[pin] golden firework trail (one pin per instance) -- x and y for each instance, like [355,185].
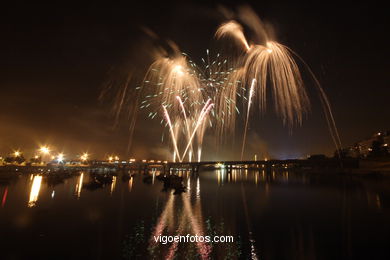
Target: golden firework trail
[251,92]
[195,97]
[190,133]
[269,61]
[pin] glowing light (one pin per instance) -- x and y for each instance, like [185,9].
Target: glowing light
[178,69]
[197,187]
[173,137]
[205,110]
[79,185]
[35,188]
[60,157]
[17,153]
[235,29]
[113,184]
[4,197]
[131,183]
[251,91]
[44,150]
[84,157]
[274,63]
[220,166]
[269,47]
[194,97]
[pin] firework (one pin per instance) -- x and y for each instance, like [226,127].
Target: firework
[251,92]
[191,129]
[195,97]
[271,61]
[234,29]
[182,87]
[265,61]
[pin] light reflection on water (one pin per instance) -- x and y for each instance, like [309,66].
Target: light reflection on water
[35,188]
[79,185]
[271,215]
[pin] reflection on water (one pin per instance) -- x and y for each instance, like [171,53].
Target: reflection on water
[35,188]
[4,197]
[131,183]
[79,185]
[188,221]
[113,184]
[276,214]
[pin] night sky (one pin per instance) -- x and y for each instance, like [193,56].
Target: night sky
[55,59]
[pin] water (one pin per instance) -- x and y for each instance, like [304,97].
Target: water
[280,215]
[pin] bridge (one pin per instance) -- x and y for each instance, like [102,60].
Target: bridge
[327,163]
[167,167]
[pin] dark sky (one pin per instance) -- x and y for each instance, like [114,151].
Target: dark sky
[55,58]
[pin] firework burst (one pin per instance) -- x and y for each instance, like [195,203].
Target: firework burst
[193,97]
[267,61]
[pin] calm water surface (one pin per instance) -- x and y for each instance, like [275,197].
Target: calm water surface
[279,215]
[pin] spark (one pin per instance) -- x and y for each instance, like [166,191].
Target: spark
[235,29]
[251,92]
[168,119]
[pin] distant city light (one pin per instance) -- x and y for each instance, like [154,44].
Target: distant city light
[84,157]
[220,165]
[60,157]
[17,153]
[44,150]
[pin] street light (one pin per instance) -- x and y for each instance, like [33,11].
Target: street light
[44,150]
[17,153]
[60,157]
[84,157]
